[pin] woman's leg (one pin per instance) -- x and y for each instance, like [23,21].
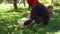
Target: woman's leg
[44,13]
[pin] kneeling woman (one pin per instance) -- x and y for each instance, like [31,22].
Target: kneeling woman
[39,13]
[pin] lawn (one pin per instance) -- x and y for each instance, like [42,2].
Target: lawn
[8,22]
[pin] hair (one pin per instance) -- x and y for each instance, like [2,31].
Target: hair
[50,7]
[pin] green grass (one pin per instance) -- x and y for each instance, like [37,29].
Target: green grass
[8,22]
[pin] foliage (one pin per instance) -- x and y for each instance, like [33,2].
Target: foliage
[8,22]
[57,2]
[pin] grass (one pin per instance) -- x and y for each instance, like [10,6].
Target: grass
[8,22]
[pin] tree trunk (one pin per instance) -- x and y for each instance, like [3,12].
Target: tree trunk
[51,2]
[15,4]
[4,1]
[24,2]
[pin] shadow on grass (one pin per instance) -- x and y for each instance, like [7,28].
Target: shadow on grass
[9,24]
[57,10]
[51,28]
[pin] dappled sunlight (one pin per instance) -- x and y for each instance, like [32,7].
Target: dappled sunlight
[57,32]
[2,6]
[9,21]
[5,8]
[52,32]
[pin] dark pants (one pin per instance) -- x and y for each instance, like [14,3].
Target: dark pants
[40,14]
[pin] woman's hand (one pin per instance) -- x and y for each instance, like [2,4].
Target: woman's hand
[20,24]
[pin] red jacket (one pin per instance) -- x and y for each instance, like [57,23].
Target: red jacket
[32,2]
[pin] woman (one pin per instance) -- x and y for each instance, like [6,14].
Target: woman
[39,13]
